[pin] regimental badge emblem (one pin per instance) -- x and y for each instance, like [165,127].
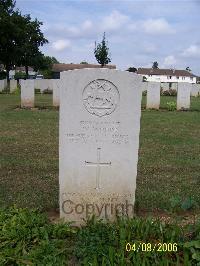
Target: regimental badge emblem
[100,97]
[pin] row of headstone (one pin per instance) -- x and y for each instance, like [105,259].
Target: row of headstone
[99,129]
[43,84]
[184,91]
[3,84]
[195,90]
[28,92]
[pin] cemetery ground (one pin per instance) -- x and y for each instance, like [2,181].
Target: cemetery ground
[167,184]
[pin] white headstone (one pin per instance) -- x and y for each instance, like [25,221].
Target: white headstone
[153,95]
[42,84]
[13,85]
[183,95]
[27,93]
[144,86]
[56,91]
[165,86]
[3,84]
[98,142]
[174,86]
[195,91]
[50,84]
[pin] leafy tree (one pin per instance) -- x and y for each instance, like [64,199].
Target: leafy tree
[83,62]
[188,69]
[155,65]
[20,38]
[44,65]
[101,52]
[20,75]
[32,38]
[8,34]
[132,69]
[42,62]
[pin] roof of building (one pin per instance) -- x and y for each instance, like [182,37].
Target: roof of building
[165,72]
[65,67]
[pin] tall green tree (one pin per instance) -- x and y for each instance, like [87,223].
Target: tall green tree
[155,65]
[42,62]
[44,65]
[32,39]
[20,37]
[8,34]
[101,52]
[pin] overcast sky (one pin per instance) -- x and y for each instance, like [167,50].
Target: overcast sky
[138,32]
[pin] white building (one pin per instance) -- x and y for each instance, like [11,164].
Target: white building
[12,73]
[167,75]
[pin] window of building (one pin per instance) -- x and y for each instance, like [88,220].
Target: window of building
[191,78]
[177,77]
[183,78]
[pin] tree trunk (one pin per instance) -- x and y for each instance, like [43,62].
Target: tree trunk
[26,68]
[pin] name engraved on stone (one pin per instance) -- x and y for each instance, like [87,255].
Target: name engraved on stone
[98,165]
[100,97]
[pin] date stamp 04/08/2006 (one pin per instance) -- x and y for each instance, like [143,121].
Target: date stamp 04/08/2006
[149,247]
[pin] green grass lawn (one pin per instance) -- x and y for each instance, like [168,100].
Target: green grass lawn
[169,161]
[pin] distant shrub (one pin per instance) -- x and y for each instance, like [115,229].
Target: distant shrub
[47,91]
[170,92]
[171,106]
[2,75]
[37,90]
[144,93]
[20,75]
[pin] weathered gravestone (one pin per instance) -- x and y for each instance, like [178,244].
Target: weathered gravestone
[153,95]
[27,93]
[56,91]
[195,91]
[183,95]
[13,85]
[98,143]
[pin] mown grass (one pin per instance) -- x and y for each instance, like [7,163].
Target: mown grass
[169,161]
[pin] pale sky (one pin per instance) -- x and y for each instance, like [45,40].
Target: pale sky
[138,32]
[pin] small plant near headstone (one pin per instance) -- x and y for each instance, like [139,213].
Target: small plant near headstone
[27,237]
[171,106]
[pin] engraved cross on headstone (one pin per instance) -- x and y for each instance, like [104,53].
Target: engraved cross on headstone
[98,165]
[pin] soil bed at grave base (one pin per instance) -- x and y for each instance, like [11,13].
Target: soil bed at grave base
[169,161]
